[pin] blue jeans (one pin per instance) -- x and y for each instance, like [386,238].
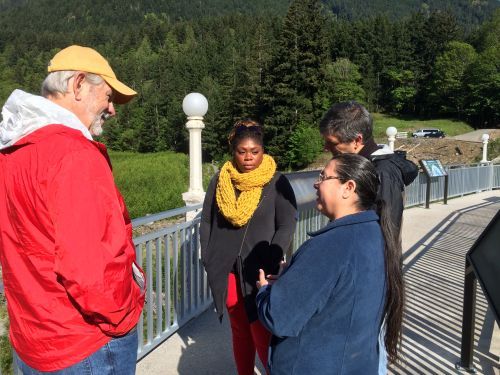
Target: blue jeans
[118,356]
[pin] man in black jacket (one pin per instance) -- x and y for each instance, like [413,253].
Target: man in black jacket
[348,128]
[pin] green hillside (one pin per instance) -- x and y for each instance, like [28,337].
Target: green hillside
[468,12]
[281,62]
[67,14]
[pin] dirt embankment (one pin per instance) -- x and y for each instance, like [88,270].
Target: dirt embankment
[447,150]
[464,149]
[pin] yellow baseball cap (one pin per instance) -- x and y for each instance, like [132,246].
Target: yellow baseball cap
[89,60]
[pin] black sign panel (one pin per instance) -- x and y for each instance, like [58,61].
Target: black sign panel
[484,256]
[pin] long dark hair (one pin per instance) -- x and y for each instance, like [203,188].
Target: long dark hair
[361,170]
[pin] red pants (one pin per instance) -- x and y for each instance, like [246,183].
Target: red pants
[247,337]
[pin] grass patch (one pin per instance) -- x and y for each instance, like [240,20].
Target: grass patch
[451,127]
[153,182]
[5,349]
[494,149]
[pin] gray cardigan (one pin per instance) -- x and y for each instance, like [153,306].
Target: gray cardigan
[268,236]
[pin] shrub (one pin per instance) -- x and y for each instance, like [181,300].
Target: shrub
[305,145]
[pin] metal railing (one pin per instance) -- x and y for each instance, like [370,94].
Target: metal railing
[402,135]
[463,180]
[177,284]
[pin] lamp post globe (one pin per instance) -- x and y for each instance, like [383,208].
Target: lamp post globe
[391,132]
[485,137]
[195,105]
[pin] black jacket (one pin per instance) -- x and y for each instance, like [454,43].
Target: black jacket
[393,178]
[268,236]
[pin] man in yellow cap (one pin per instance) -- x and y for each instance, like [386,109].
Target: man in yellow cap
[72,67]
[73,290]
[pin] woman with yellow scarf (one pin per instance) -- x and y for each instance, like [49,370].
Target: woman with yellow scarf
[247,224]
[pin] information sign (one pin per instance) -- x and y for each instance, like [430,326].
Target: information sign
[433,168]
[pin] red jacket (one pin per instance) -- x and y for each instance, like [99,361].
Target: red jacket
[66,248]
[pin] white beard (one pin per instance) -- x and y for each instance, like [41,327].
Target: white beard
[96,127]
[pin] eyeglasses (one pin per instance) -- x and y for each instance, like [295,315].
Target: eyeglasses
[322,177]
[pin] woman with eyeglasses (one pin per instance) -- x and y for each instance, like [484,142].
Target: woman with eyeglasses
[326,309]
[247,224]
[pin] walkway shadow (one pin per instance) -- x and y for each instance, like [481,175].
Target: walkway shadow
[207,347]
[434,275]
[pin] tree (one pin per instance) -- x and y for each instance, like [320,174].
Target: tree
[482,85]
[482,77]
[342,82]
[7,78]
[295,76]
[448,75]
[488,34]
[429,35]
[402,90]
[374,56]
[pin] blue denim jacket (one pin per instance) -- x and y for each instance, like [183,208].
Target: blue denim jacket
[326,308]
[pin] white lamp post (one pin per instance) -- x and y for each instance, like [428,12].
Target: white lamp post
[194,105]
[485,138]
[391,136]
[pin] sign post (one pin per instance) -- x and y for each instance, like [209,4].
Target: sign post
[433,168]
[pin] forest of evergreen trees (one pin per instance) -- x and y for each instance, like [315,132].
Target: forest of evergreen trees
[281,62]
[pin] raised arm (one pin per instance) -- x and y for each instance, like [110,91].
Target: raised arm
[303,289]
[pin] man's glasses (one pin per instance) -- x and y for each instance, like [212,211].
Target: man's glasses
[322,177]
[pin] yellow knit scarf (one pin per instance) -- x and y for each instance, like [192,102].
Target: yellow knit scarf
[239,211]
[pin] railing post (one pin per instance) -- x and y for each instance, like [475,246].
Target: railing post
[445,197]
[428,192]
[478,186]
[492,176]
[469,317]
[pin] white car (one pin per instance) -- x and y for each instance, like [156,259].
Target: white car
[428,133]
